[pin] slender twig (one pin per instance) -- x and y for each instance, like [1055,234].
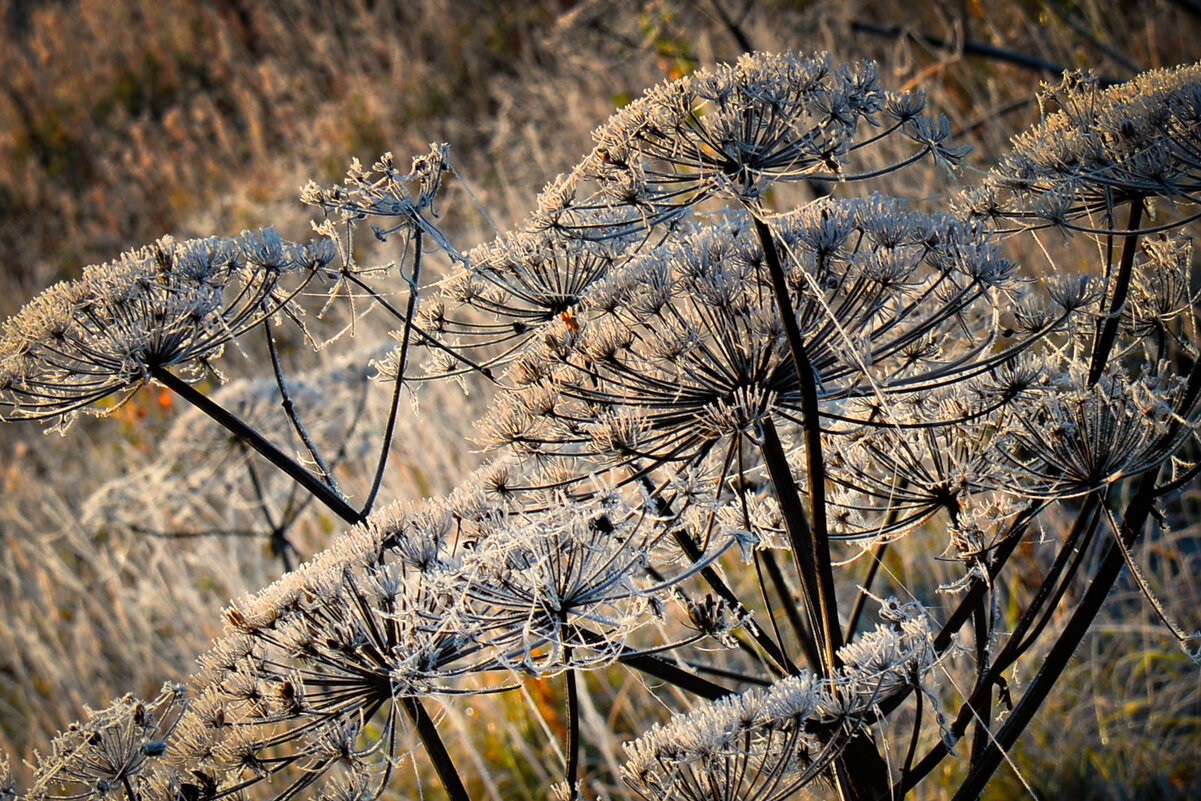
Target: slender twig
[733,26]
[972,48]
[803,634]
[427,339]
[1082,30]
[865,588]
[290,410]
[278,540]
[397,385]
[1107,325]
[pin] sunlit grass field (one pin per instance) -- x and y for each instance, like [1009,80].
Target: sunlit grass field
[121,122]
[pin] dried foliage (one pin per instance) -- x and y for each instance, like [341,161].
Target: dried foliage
[724,359]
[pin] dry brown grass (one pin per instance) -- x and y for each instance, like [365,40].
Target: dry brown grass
[120,121]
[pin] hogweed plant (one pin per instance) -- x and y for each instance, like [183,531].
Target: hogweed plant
[706,409]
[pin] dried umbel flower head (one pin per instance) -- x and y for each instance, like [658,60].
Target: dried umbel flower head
[106,754]
[172,304]
[318,669]
[683,348]
[734,130]
[1160,297]
[1103,148]
[890,479]
[8,787]
[1084,438]
[510,289]
[567,587]
[383,192]
[767,743]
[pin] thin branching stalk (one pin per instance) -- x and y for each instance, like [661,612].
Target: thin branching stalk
[278,540]
[427,339]
[1107,325]
[788,603]
[876,559]
[398,383]
[290,410]
[1065,645]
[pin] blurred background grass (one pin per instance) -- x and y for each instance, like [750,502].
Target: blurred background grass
[122,120]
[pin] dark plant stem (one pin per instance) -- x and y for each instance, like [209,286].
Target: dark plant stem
[718,584]
[290,410]
[980,702]
[1067,642]
[1000,555]
[919,701]
[435,748]
[573,726]
[736,30]
[672,674]
[1021,637]
[803,635]
[397,385]
[860,771]
[1052,588]
[318,488]
[666,670]
[819,545]
[427,339]
[1107,326]
[663,508]
[799,535]
[861,598]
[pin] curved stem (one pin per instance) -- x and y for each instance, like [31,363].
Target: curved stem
[1107,326]
[401,360]
[816,468]
[290,410]
[1057,659]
